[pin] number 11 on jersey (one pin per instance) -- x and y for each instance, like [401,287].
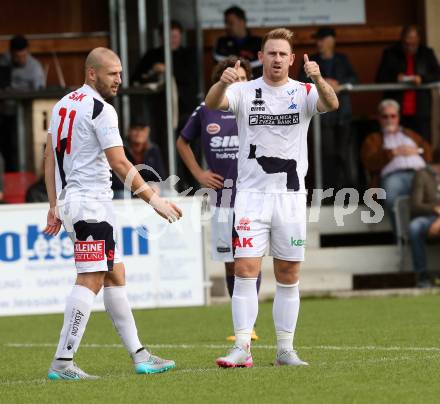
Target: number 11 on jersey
[64,145]
[62,113]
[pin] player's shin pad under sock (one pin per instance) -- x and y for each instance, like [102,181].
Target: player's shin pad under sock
[117,306]
[244,309]
[285,314]
[77,312]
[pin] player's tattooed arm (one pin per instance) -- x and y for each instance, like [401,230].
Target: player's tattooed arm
[328,100]
[216,98]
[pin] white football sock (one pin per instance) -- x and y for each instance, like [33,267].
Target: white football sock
[117,306]
[244,309]
[285,314]
[76,314]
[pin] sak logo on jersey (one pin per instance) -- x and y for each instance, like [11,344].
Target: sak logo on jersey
[274,120]
[77,97]
[213,128]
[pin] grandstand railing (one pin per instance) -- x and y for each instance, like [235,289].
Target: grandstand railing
[25,96]
[357,88]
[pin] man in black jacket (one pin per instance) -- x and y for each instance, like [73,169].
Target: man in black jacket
[151,68]
[238,40]
[338,163]
[410,62]
[152,65]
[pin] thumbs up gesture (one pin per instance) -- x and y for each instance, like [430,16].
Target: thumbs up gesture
[230,75]
[311,68]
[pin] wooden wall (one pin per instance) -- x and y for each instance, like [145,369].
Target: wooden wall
[363,44]
[53,17]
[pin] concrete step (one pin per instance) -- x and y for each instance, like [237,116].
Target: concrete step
[338,220]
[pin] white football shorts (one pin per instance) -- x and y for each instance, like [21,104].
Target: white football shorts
[275,220]
[91,226]
[222,221]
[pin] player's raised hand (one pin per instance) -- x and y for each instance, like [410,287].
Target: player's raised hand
[230,75]
[311,68]
[166,209]
[53,223]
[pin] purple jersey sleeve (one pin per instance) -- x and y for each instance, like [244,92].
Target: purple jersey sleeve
[193,127]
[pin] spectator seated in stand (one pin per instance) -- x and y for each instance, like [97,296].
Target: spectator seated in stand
[139,149]
[393,155]
[26,71]
[425,212]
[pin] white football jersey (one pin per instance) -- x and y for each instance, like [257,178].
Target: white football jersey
[272,128]
[83,125]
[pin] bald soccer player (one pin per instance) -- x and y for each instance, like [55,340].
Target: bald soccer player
[83,143]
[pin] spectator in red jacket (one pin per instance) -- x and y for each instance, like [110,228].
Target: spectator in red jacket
[408,61]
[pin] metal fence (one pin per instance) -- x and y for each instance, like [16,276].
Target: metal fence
[357,88]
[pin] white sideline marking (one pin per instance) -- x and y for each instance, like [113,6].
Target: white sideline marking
[254,346]
[216,369]
[133,375]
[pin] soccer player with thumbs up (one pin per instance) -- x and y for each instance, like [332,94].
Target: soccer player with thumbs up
[273,115]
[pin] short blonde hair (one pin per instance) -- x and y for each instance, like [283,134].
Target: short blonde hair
[279,33]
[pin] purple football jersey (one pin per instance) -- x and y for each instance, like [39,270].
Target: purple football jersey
[219,133]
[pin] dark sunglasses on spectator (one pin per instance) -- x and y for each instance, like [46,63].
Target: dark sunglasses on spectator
[385,116]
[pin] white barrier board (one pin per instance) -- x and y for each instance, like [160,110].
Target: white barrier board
[164,262]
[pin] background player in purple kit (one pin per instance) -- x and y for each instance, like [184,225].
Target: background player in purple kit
[219,133]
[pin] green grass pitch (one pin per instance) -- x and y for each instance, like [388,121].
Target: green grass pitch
[361,350]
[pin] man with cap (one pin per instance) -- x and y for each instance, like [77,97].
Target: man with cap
[336,69]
